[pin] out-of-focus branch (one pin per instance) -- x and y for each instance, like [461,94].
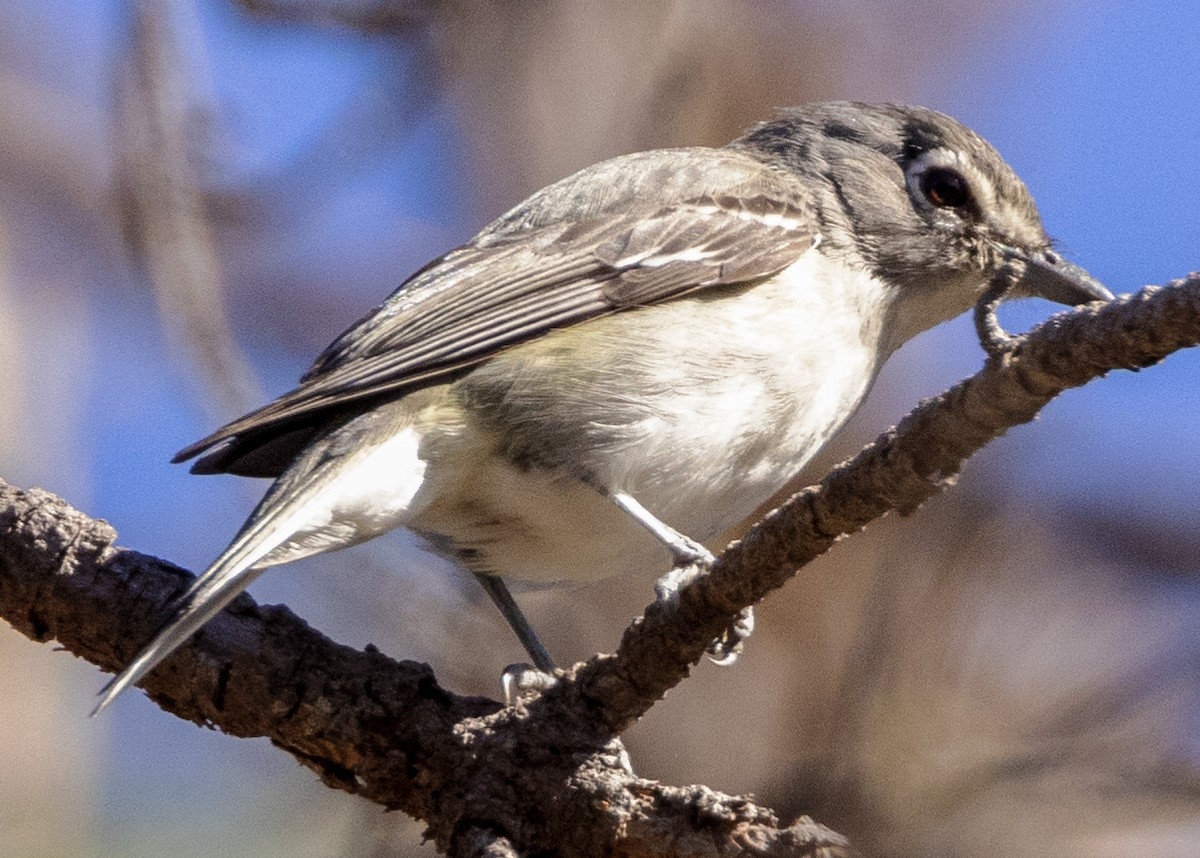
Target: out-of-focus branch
[369,16]
[547,774]
[10,350]
[162,124]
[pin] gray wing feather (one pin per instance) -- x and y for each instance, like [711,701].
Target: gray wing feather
[584,247]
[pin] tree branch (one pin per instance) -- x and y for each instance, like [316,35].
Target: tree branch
[368,16]
[164,129]
[547,773]
[528,775]
[899,471]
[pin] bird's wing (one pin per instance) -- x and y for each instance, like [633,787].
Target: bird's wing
[628,232]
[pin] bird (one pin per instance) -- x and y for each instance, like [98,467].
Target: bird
[630,361]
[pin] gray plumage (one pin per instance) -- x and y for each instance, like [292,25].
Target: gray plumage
[684,327]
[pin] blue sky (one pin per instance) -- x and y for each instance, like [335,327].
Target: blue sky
[1094,104]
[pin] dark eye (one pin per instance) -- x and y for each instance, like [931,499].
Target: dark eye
[945,188]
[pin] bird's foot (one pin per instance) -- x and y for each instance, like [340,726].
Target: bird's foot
[691,561]
[725,649]
[691,564]
[523,680]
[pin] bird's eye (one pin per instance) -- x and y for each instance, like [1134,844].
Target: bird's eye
[945,188]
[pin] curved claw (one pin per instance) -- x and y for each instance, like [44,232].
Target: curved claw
[524,680]
[725,650]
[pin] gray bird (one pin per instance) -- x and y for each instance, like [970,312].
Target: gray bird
[646,349]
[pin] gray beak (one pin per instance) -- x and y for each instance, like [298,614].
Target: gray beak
[1047,275]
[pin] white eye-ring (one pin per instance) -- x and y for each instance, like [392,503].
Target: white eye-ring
[941,180]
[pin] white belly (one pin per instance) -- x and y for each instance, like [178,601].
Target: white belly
[700,422]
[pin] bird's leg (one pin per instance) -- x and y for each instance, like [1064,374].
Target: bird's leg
[495,587]
[691,559]
[524,680]
[687,553]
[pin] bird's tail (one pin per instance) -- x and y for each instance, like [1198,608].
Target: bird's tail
[354,483]
[219,585]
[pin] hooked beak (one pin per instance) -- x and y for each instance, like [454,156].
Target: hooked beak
[1047,275]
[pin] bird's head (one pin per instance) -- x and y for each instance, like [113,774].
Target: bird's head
[923,200]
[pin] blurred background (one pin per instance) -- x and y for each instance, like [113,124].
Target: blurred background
[197,195]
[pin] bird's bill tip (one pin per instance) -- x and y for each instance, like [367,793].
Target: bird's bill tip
[1047,275]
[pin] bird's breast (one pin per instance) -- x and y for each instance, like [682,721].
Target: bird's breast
[701,408]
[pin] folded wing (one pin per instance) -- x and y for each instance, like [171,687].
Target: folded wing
[588,246]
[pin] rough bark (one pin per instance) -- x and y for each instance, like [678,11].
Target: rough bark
[548,773]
